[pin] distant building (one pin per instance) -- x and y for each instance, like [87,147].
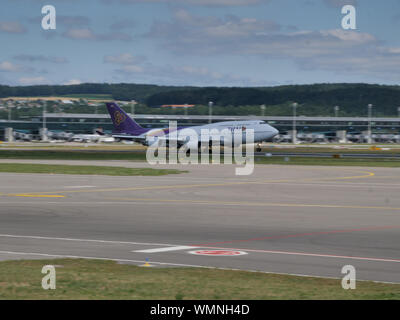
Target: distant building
[178,106]
[67,102]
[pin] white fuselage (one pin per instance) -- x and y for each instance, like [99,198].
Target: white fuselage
[228,129]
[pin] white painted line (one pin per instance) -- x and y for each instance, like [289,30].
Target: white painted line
[211,247]
[100,258]
[165,249]
[318,255]
[339,185]
[73,187]
[86,240]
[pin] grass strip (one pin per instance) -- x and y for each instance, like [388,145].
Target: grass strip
[374,162]
[98,279]
[83,170]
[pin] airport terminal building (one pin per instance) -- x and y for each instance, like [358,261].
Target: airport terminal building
[325,127]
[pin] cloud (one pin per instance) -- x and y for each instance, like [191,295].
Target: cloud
[337,50]
[72,82]
[131,69]
[81,34]
[76,21]
[201,72]
[381,62]
[341,3]
[73,21]
[128,63]
[167,74]
[12,27]
[88,34]
[308,44]
[41,58]
[191,33]
[7,66]
[209,3]
[123,59]
[32,80]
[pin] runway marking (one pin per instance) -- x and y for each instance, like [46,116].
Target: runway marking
[207,247]
[73,187]
[177,248]
[303,235]
[36,195]
[86,240]
[319,255]
[181,265]
[344,185]
[218,253]
[130,201]
[102,258]
[257,204]
[366,174]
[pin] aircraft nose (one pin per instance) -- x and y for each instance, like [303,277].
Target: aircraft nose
[274,132]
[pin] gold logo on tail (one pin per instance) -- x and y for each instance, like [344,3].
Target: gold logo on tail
[119,117]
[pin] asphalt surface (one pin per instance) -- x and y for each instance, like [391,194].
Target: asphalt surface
[285,219]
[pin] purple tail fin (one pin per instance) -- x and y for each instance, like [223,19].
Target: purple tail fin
[122,122]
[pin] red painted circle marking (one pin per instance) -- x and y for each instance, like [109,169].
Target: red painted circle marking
[218,252]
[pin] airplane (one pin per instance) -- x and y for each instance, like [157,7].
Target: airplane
[127,129]
[97,137]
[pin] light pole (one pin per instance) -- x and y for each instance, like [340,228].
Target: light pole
[210,110]
[133,103]
[263,107]
[398,111]
[337,108]
[9,112]
[44,129]
[44,116]
[294,131]
[369,140]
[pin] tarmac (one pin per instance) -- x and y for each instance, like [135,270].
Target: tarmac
[303,220]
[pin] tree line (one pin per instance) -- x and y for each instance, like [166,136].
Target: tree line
[313,100]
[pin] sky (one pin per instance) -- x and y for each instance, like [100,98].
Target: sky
[200,42]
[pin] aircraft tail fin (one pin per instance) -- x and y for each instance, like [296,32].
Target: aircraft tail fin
[122,122]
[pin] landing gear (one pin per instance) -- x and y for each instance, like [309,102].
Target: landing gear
[258,148]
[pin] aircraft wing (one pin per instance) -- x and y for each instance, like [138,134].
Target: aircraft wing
[140,139]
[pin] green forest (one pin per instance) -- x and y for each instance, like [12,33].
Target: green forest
[313,100]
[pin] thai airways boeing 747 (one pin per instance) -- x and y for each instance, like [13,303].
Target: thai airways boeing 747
[125,128]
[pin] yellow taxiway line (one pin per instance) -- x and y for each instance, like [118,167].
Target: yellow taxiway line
[257,204]
[36,195]
[365,174]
